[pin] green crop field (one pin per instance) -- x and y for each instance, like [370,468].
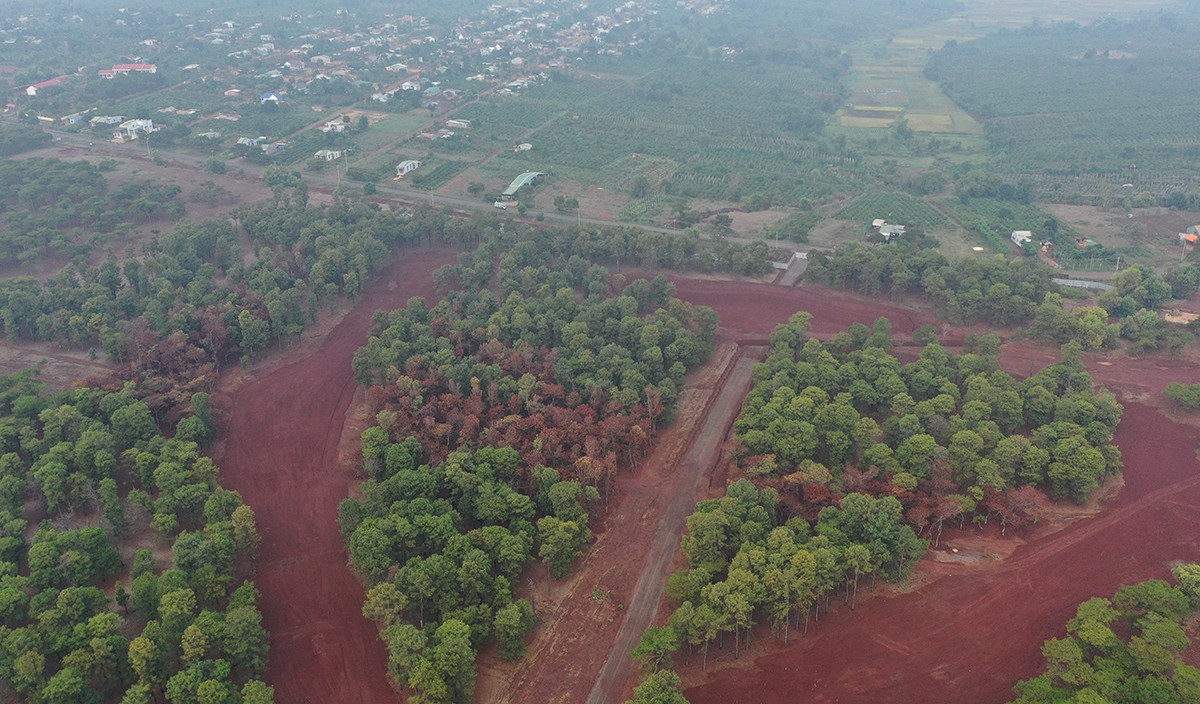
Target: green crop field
[897,208]
[388,130]
[1068,99]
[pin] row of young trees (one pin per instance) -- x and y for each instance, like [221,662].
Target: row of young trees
[503,413]
[1131,649]
[997,290]
[1005,292]
[78,622]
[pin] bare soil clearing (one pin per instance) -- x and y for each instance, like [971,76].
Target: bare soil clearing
[280,452]
[752,311]
[970,631]
[60,368]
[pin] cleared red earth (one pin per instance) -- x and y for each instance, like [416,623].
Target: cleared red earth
[281,454]
[753,310]
[972,632]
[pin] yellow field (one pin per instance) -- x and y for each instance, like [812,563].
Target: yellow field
[930,123]
[878,108]
[848,121]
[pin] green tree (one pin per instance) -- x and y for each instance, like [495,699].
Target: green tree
[561,543]
[653,653]
[659,687]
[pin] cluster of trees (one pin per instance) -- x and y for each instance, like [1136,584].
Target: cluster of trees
[188,303]
[97,469]
[1185,396]
[522,397]
[1137,294]
[191,300]
[1004,292]
[999,290]
[442,548]
[856,456]
[15,139]
[630,246]
[52,207]
[748,560]
[950,435]
[1126,650]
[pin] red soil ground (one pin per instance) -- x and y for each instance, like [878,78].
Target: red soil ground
[281,454]
[751,310]
[969,633]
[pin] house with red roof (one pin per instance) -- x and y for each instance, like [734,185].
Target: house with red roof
[33,89]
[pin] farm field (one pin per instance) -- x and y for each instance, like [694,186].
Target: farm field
[386,130]
[1075,100]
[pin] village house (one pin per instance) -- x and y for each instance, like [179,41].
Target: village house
[406,167]
[33,89]
[1190,236]
[132,129]
[329,154]
[335,127]
[1021,237]
[126,69]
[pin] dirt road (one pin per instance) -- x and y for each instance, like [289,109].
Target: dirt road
[574,653]
[702,456]
[281,454]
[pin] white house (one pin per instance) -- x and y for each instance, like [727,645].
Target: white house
[459,124]
[132,129]
[335,126]
[1020,237]
[407,167]
[397,68]
[329,154]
